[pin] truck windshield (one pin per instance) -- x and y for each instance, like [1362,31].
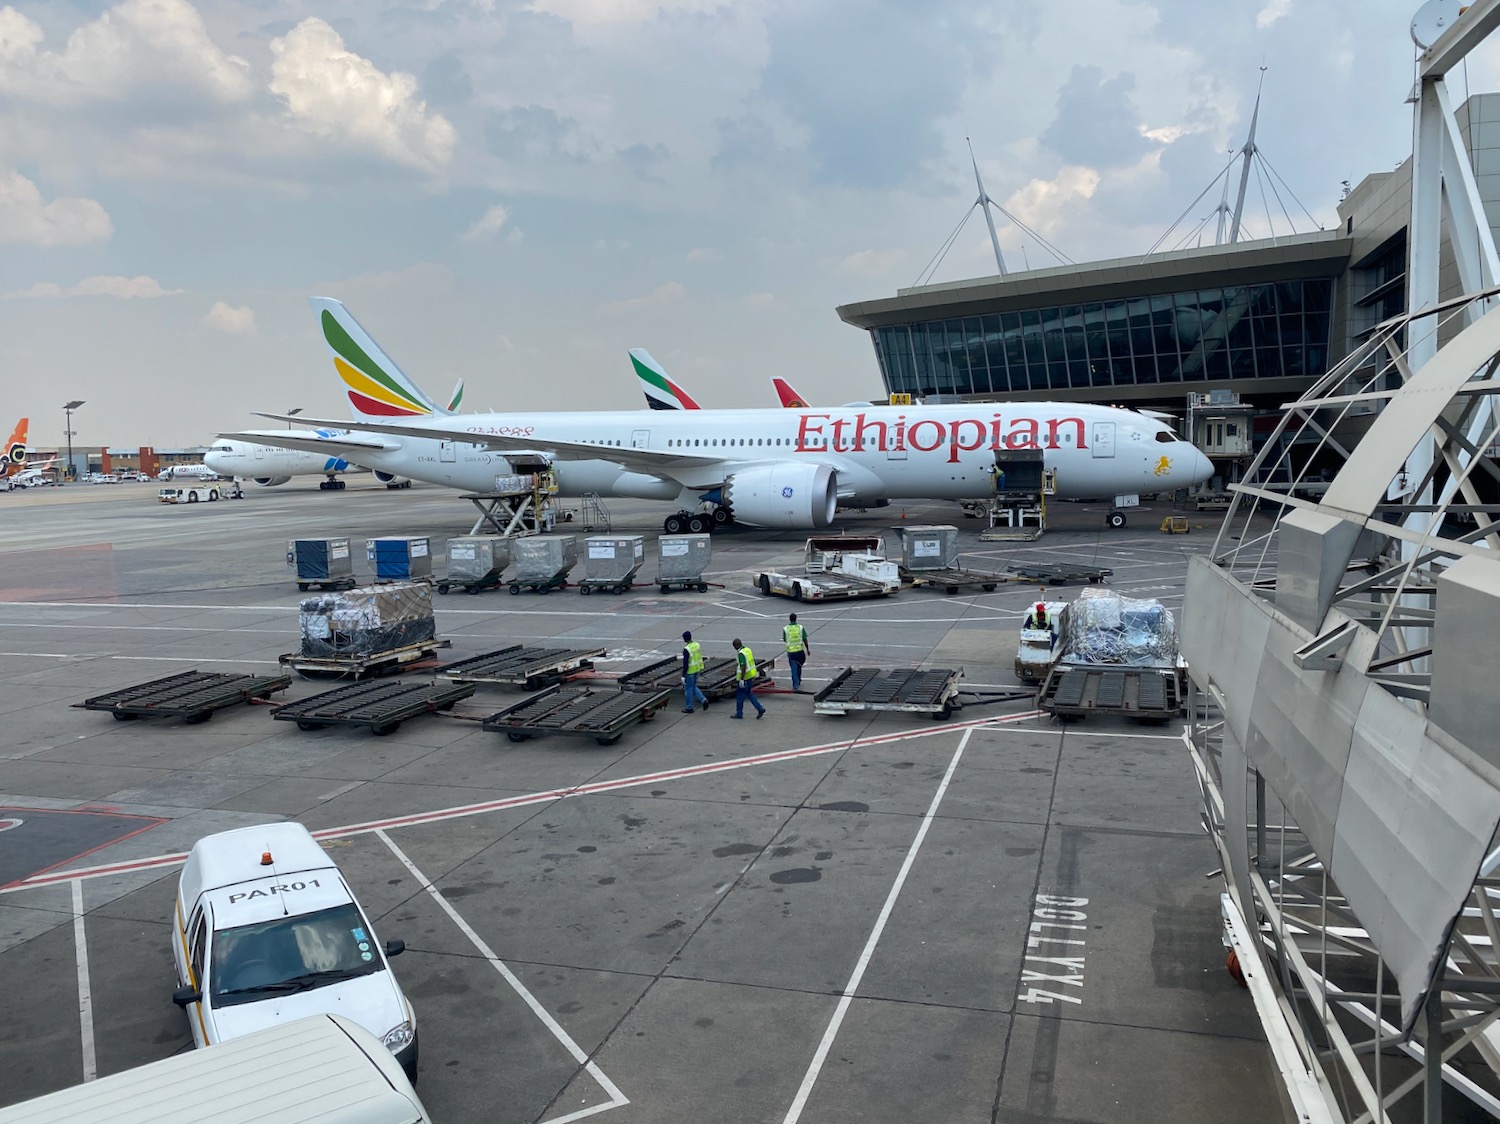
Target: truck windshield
[291,954]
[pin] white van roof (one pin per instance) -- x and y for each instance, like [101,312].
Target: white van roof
[231,857]
[318,1070]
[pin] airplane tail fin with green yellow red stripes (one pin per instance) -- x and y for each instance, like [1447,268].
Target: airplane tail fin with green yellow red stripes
[376,387]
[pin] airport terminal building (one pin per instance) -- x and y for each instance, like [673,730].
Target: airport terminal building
[1260,319]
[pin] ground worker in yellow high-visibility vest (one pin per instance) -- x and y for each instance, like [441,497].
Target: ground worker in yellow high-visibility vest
[744,681]
[794,637]
[692,664]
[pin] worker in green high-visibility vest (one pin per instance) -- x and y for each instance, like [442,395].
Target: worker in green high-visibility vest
[744,681]
[692,664]
[794,636]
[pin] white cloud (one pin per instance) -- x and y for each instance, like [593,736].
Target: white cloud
[65,221]
[134,45]
[589,13]
[1272,12]
[1044,205]
[702,254]
[665,293]
[226,318]
[122,288]
[334,93]
[488,225]
[869,263]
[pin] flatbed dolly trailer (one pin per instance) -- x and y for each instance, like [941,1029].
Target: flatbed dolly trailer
[362,665]
[378,707]
[932,691]
[521,666]
[192,696]
[716,680]
[839,567]
[1060,575]
[577,711]
[953,580]
[1147,694]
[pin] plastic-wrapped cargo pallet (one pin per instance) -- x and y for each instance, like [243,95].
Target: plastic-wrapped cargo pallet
[541,558]
[477,558]
[366,621]
[930,547]
[614,558]
[1105,628]
[681,559]
[398,559]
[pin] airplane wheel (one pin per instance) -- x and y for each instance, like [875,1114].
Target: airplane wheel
[1116,519]
[722,518]
[697,525]
[673,525]
[339,485]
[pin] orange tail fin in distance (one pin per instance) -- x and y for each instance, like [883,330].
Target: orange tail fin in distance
[790,399]
[13,455]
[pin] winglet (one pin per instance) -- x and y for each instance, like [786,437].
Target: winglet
[376,386]
[790,399]
[661,392]
[13,455]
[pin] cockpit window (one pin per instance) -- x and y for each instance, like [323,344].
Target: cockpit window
[1167,437]
[222,449]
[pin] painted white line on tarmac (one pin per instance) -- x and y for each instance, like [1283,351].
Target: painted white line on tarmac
[687,772]
[85,997]
[799,1102]
[343,788]
[617,1099]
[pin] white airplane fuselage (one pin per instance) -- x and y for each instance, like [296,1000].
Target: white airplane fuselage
[891,452]
[269,465]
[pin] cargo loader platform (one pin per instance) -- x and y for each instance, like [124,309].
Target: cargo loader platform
[579,711]
[521,666]
[953,580]
[716,680]
[1149,694]
[931,691]
[359,666]
[379,707]
[192,696]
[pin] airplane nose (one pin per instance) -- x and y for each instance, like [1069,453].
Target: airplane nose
[1201,467]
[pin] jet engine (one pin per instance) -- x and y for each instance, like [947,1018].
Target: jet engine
[392,481]
[783,494]
[270,481]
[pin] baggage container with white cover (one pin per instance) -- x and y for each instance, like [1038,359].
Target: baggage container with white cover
[929,547]
[681,560]
[543,562]
[612,562]
[323,1069]
[475,562]
[399,558]
[366,621]
[325,563]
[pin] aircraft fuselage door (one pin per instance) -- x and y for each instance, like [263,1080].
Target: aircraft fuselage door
[447,451]
[1103,438]
[640,439]
[260,452]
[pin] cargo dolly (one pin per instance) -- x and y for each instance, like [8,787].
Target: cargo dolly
[379,707]
[1148,694]
[952,580]
[667,585]
[362,664]
[476,585]
[931,691]
[580,711]
[587,586]
[192,696]
[716,680]
[539,585]
[1059,575]
[521,666]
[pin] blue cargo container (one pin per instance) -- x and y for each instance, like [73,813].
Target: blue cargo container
[398,559]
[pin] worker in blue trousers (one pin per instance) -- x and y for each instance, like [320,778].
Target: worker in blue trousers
[794,637]
[744,681]
[692,664]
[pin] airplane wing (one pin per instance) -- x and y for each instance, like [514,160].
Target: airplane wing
[654,462]
[347,445]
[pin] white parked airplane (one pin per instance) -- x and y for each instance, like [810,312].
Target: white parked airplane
[187,471]
[771,468]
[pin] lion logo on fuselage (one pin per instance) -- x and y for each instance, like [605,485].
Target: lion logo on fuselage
[1164,466]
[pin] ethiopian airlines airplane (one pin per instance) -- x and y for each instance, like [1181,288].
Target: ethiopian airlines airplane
[770,468]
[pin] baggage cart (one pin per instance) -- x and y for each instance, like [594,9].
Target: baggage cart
[1059,575]
[932,691]
[681,561]
[522,666]
[324,563]
[543,562]
[612,562]
[716,680]
[378,707]
[192,696]
[399,559]
[475,562]
[579,711]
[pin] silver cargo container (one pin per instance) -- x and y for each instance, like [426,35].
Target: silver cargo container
[477,558]
[683,557]
[614,558]
[930,547]
[541,558]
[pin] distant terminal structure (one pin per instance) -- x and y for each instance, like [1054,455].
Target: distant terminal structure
[1250,323]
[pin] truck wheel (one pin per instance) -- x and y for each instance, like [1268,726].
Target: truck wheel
[765,585]
[796,591]
[583,589]
[702,587]
[192,497]
[213,495]
[514,589]
[301,587]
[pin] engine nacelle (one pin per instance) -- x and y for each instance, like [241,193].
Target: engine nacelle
[270,481]
[391,480]
[783,494]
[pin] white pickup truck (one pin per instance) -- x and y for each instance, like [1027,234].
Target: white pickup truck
[838,567]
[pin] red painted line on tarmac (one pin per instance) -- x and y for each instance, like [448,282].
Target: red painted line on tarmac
[463,810]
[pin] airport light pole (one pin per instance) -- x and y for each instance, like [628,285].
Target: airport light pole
[68,408]
[293,412]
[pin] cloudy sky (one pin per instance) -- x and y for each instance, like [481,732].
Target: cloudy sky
[517,192]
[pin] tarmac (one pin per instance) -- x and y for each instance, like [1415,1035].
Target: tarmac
[876,918]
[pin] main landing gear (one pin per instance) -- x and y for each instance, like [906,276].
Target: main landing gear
[697,522]
[330,485]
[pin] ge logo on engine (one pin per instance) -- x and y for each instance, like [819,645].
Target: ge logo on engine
[786,493]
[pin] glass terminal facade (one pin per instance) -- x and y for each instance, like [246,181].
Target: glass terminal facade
[1272,330]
